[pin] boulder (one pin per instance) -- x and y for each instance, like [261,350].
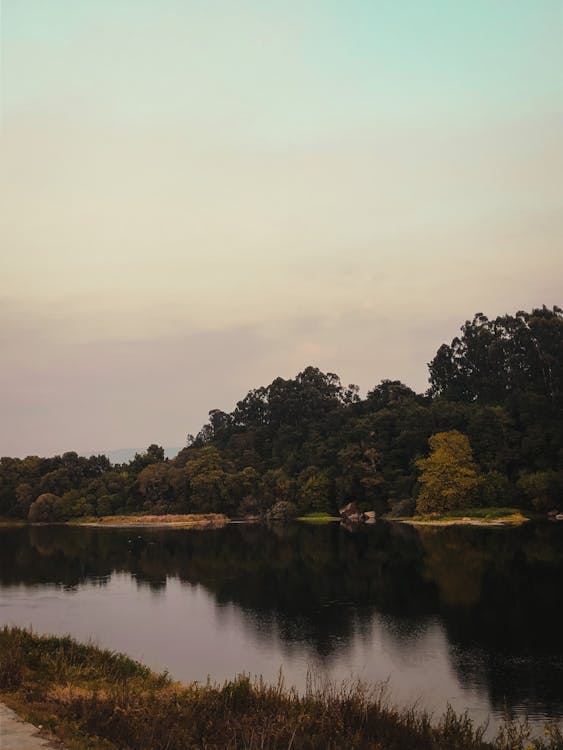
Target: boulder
[349,511]
[351,514]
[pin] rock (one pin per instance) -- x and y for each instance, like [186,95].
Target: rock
[351,514]
[349,510]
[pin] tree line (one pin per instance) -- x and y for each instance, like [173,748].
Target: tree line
[489,431]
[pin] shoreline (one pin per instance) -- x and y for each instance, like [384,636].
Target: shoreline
[92,697]
[219,520]
[513,520]
[178,521]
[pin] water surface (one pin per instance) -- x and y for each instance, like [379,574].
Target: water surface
[461,615]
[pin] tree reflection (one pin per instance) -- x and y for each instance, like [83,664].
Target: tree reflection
[494,590]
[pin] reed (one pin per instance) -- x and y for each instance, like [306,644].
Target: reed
[94,699]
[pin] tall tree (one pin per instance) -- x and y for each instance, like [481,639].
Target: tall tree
[449,476]
[495,358]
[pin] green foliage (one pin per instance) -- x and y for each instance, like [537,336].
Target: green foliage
[154,454]
[496,490]
[275,486]
[449,477]
[207,479]
[318,517]
[282,511]
[314,490]
[45,509]
[494,358]
[542,489]
[163,486]
[312,441]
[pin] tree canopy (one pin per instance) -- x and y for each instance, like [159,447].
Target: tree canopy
[449,476]
[493,359]
[314,444]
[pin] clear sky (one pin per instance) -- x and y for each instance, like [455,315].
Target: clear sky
[200,196]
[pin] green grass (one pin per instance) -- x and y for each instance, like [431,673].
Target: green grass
[318,518]
[98,700]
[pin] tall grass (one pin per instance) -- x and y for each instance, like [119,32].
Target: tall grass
[100,700]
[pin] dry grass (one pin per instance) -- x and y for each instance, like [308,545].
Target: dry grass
[98,700]
[204,520]
[11,522]
[470,517]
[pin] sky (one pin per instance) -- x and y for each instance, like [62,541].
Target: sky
[198,197]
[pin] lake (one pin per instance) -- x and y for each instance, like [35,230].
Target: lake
[469,616]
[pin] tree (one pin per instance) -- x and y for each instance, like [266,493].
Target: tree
[25,497]
[541,488]
[494,358]
[45,508]
[163,486]
[450,478]
[154,454]
[207,480]
[314,492]
[389,392]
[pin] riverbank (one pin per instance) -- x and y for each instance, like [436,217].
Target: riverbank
[470,517]
[180,521]
[183,521]
[318,518]
[95,699]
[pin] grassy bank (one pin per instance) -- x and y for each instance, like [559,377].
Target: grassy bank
[96,700]
[471,516]
[318,518]
[189,521]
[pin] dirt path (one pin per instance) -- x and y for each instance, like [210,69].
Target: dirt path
[16,734]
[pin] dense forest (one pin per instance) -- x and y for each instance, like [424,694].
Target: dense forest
[489,431]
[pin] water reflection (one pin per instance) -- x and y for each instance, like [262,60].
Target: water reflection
[465,615]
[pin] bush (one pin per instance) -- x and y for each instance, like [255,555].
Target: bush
[540,488]
[496,489]
[282,511]
[45,509]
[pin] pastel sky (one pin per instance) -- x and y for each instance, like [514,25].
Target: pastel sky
[198,196]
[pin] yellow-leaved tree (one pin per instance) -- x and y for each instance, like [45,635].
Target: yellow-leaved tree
[449,476]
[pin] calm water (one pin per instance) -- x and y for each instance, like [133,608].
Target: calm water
[463,615]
